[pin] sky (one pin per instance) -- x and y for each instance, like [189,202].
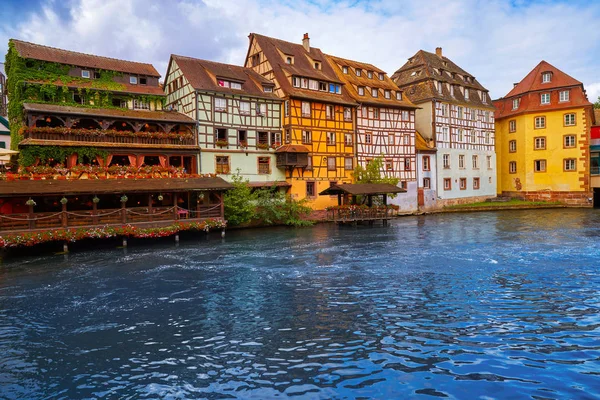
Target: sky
[497,41]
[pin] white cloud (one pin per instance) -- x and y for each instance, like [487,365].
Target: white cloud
[497,41]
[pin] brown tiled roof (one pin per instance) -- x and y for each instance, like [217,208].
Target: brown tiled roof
[52,54]
[87,186]
[145,115]
[292,148]
[421,144]
[529,91]
[269,184]
[417,77]
[352,82]
[362,189]
[203,75]
[302,66]
[92,84]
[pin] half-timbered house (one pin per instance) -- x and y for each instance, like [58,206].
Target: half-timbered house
[318,116]
[385,124]
[238,117]
[457,114]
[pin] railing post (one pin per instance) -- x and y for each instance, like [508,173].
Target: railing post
[123,213]
[175,210]
[64,216]
[222,205]
[30,218]
[150,210]
[94,213]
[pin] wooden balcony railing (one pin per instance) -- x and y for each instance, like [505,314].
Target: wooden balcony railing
[185,140]
[361,214]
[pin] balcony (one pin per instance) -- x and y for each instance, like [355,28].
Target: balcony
[292,156]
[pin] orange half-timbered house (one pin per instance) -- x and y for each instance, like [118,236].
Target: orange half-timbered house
[318,116]
[385,124]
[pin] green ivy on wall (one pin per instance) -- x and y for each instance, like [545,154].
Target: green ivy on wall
[30,154]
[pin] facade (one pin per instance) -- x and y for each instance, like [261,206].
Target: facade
[595,158]
[543,127]
[457,114]
[238,117]
[318,116]
[385,125]
[97,125]
[426,173]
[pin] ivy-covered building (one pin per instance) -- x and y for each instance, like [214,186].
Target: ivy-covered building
[3,98]
[99,124]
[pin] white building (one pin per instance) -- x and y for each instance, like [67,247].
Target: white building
[457,115]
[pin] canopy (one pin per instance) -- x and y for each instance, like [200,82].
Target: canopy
[364,189]
[6,152]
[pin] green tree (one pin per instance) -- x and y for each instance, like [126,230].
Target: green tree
[239,202]
[275,207]
[597,103]
[373,173]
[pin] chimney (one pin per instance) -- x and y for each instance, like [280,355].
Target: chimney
[438,52]
[306,42]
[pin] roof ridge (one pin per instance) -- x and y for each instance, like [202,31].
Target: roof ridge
[78,52]
[285,41]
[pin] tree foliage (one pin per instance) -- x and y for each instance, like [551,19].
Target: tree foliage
[30,154]
[597,103]
[373,173]
[239,201]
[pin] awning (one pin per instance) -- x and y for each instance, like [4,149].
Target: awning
[362,189]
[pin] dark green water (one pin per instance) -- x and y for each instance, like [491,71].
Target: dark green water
[470,306]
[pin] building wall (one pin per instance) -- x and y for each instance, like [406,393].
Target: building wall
[555,178]
[430,196]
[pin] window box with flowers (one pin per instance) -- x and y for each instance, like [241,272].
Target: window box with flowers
[263,146]
[222,143]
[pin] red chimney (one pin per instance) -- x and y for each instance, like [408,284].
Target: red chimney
[306,42]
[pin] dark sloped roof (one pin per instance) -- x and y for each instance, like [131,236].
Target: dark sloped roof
[416,77]
[83,186]
[362,189]
[269,184]
[93,84]
[421,144]
[146,115]
[203,75]
[52,54]
[274,51]
[292,148]
[353,81]
[533,80]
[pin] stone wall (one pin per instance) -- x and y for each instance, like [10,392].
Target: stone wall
[579,199]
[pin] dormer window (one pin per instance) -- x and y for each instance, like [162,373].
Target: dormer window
[358,72]
[317,65]
[381,76]
[374,92]
[345,69]
[516,103]
[268,89]
[545,98]
[361,90]
[398,95]
[236,85]
[370,74]
[387,94]
[133,80]
[289,60]
[439,87]
[452,90]
[546,77]
[143,81]
[85,74]
[466,94]
[484,97]
[563,95]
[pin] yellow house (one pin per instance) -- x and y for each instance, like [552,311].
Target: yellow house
[542,138]
[318,116]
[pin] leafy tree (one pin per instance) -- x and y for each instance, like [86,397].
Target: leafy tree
[597,103]
[239,202]
[274,206]
[373,173]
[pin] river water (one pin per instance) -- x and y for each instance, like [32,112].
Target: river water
[468,306]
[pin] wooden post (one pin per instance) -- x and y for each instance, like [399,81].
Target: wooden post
[64,216]
[175,213]
[123,213]
[31,220]
[222,205]
[339,199]
[65,247]
[94,213]
[150,210]
[177,238]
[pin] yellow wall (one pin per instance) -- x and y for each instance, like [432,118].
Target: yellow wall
[319,125]
[555,178]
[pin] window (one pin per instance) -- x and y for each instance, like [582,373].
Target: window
[255,59]
[387,94]
[275,139]
[405,115]
[486,116]
[330,138]
[452,90]
[309,163]
[484,97]
[310,189]
[546,77]
[263,139]
[447,184]
[220,104]
[512,146]
[289,60]
[370,74]
[374,92]
[512,125]
[304,83]
[391,139]
[569,141]
[264,166]
[446,160]
[317,65]
[221,134]
[348,139]
[345,69]
[361,90]
[461,161]
[474,136]
[367,138]
[570,119]
[222,165]
[140,105]
[488,138]
[512,167]
[426,163]
[539,165]
[347,114]
[375,113]
[539,143]
[223,83]
[444,110]
[463,183]
[313,85]
[516,103]
[389,165]
[475,162]
[398,95]
[489,162]
[540,122]
[306,137]
[563,95]
[358,72]
[330,163]
[305,109]
[329,112]
[286,108]
[545,98]
[439,87]
[473,114]
[407,164]
[261,109]
[323,86]
[236,85]
[133,80]
[406,139]
[475,183]
[460,112]
[242,138]
[288,135]
[570,164]
[85,74]
[348,163]
[295,81]
[466,94]
[426,183]
[244,107]
[143,81]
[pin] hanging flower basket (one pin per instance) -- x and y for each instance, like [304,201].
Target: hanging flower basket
[31,203]
[96,200]
[64,200]
[160,197]
[124,199]
[222,143]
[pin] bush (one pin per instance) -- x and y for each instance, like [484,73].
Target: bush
[239,201]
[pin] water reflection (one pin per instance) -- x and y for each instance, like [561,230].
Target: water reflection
[502,305]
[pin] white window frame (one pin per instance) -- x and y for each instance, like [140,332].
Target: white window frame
[563,96]
[133,80]
[85,72]
[540,122]
[306,109]
[220,104]
[330,138]
[446,160]
[569,141]
[245,107]
[546,77]
[374,92]
[569,121]
[512,167]
[570,164]
[516,104]
[461,161]
[545,98]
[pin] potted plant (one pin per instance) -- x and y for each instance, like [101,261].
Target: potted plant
[222,143]
[263,146]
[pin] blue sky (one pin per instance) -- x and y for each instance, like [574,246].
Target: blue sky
[498,41]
